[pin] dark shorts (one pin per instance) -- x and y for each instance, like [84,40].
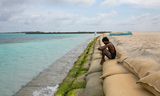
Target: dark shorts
[113,55]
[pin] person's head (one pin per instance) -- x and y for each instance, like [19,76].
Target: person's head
[105,40]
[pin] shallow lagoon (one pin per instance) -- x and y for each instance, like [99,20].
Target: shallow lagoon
[27,55]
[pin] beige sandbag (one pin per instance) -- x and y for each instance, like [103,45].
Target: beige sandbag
[111,67]
[121,53]
[151,83]
[141,66]
[97,56]
[95,66]
[97,42]
[97,45]
[123,85]
[94,85]
[130,68]
[97,52]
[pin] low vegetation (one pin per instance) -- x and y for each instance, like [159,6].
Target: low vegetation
[74,82]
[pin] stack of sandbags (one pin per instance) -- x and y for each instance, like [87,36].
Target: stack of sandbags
[141,66]
[96,59]
[123,85]
[111,67]
[95,66]
[148,72]
[121,54]
[94,85]
[151,83]
[93,82]
[119,81]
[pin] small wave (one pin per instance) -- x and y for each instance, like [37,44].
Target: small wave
[47,91]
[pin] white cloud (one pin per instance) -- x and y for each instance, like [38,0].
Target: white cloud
[145,22]
[86,2]
[64,21]
[140,3]
[72,2]
[8,8]
[48,15]
[58,21]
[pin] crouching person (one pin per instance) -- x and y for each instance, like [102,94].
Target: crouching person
[107,50]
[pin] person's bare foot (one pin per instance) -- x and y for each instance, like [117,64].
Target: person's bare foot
[102,61]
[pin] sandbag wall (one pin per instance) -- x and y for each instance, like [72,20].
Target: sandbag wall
[94,83]
[146,69]
[118,80]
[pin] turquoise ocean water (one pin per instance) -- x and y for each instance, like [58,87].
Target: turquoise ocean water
[23,56]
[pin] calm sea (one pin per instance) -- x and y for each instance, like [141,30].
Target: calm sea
[23,56]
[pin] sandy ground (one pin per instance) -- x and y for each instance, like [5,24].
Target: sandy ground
[142,44]
[142,50]
[52,76]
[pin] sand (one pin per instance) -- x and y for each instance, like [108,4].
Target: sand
[139,54]
[141,44]
[47,81]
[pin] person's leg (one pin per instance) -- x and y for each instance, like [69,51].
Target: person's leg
[103,58]
[105,53]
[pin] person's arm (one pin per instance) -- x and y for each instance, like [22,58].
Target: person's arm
[103,47]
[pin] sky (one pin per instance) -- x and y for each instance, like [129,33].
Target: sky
[79,15]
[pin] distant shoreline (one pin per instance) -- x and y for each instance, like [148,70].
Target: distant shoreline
[38,32]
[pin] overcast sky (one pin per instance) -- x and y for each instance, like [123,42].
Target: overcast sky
[79,15]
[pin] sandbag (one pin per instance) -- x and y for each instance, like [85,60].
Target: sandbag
[97,42]
[95,66]
[94,85]
[97,56]
[123,85]
[151,83]
[121,53]
[142,66]
[130,68]
[111,67]
[97,51]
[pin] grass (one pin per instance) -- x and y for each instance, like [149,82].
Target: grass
[75,78]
